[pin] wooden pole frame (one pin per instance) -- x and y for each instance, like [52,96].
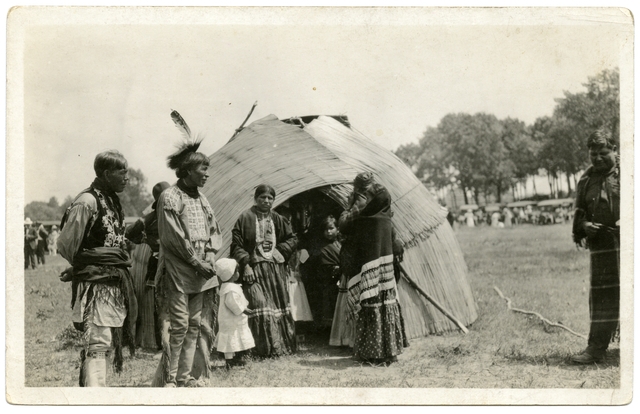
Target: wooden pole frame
[435,303]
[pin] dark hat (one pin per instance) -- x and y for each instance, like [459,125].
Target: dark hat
[159,188]
[363,180]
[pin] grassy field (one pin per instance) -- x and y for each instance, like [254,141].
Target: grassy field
[538,267]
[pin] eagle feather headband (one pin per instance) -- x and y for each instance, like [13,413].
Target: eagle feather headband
[190,145]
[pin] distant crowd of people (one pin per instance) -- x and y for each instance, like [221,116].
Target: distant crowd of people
[37,242]
[507,217]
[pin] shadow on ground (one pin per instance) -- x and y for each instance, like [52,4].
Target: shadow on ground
[315,342]
[612,360]
[335,363]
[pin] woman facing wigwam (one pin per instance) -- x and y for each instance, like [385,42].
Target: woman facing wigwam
[367,261]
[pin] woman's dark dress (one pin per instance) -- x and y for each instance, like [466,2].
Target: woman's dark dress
[270,318]
[367,262]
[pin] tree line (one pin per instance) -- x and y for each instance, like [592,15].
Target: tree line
[486,156]
[134,199]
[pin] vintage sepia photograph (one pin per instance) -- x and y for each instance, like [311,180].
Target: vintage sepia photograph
[319,205]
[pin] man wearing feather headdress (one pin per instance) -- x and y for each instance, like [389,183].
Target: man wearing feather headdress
[596,225]
[189,238]
[93,242]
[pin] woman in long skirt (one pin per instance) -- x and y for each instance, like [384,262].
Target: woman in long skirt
[262,244]
[367,261]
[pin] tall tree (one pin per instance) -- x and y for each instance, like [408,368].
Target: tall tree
[39,211]
[542,133]
[427,161]
[597,107]
[433,166]
[523,150]
[469,151]
[562,147]
[459,152]
[53,203]
[135,197]
[494,168]
[482,155]
[410,154]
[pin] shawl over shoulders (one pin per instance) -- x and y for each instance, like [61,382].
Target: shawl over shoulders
[243,241]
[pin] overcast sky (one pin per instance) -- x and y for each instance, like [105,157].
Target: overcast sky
[94,87]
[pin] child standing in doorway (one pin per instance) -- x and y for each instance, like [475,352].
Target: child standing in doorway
[329,270]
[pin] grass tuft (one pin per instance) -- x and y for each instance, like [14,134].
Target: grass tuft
[69,338]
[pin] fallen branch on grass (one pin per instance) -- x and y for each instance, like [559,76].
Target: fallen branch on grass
[542,318]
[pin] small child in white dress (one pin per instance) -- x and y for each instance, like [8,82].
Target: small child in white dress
[234,334]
